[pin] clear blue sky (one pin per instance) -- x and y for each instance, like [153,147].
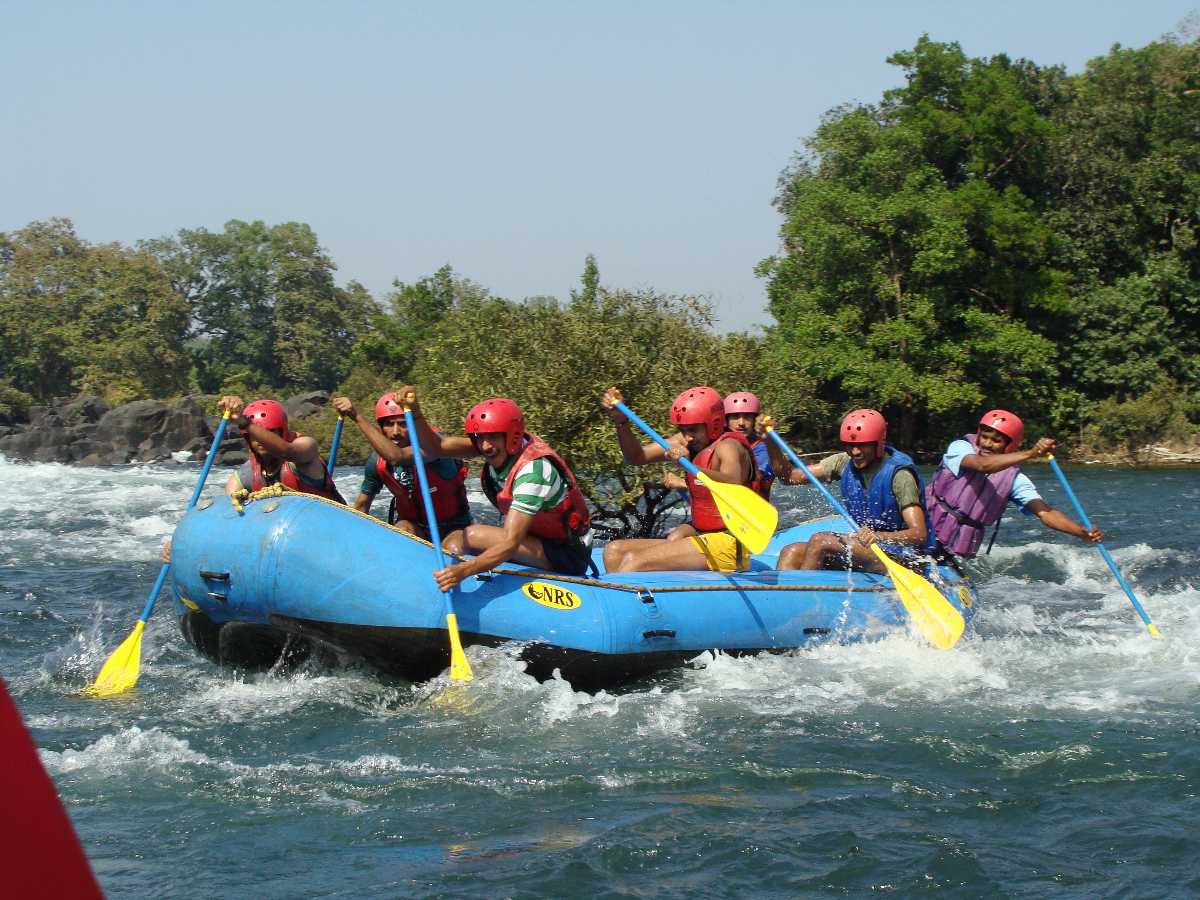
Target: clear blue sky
[509,138]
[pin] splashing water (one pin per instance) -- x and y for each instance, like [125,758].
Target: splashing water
[1053,752]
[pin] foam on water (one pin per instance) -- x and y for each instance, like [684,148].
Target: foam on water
[889,748]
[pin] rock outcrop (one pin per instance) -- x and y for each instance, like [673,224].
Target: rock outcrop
[85,431]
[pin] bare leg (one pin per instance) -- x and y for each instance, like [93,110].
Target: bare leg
[453,542]
[792,556]
[477,538]
[663,556]
[825,550]
[406,526]
[681,531]
[614,551]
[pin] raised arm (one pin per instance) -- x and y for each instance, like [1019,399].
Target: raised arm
[785,472]
[303,451]
[633,450]
[434,445]
[376,438]
[999,461]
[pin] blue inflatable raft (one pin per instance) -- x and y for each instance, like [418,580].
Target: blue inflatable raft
[294,574]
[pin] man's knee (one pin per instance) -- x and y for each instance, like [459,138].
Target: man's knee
[791,556]
[628,562]
[453,542]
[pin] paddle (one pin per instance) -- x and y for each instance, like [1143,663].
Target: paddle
[935,617]
[749,517]
[1150,626]
[120,672]
[333,445]
[460,668]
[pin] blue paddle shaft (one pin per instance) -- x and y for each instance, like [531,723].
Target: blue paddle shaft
[208,461]
[204,470]
[812,479]
[333,445]
[1112,564]
[427,498]
[654,435]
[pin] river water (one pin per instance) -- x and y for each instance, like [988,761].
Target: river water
[1054,752]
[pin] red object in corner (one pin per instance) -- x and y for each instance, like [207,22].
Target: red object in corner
[40,856]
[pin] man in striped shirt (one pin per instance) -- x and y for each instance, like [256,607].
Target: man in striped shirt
[544,513]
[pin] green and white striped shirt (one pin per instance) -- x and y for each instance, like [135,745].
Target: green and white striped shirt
[538,486]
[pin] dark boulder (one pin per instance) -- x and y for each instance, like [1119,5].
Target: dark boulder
[303,405]
[83,409]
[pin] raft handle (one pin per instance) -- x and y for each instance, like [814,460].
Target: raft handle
[817,630]
[219,597]
[215,576]
[661,633]
[647,596]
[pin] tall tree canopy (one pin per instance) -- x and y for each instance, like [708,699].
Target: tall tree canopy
[264,305]
[81,317]
[994,233]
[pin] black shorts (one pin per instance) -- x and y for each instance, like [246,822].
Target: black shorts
[569,557]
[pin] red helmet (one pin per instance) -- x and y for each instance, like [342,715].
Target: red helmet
[1007,424]
[270,415]
[865,426]
[700,406]
[388,406]
[497,415]
[741,402]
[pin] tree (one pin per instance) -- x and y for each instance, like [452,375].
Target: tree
[556,360]
[79,317]
[264,305]
[397,333]
[912,257]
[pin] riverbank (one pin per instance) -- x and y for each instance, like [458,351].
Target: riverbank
[85,431]
[1168,454]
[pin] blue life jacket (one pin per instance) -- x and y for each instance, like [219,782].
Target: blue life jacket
[876,506]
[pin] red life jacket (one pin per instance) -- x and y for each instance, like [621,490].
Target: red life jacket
[289,479]
[449,494]
[569,519]
[705,515]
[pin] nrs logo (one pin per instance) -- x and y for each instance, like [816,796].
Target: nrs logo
[551,595]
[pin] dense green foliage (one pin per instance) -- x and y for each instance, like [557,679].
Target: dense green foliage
[996,233]
[78,317]
[264,306]
[990,232]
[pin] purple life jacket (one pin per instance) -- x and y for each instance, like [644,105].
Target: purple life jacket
[961,506]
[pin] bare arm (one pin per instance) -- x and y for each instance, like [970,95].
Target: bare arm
[300,451]
[913,535]
[732,464]
[1052,518]
[380,444]
[434,445]
[516,527]
[633,450]
[1000,461]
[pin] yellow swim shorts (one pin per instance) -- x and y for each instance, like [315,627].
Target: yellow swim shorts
[722,551]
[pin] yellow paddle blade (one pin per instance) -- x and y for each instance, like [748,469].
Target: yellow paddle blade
[120,672]
[749,517]
[460,669]
[935,617]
